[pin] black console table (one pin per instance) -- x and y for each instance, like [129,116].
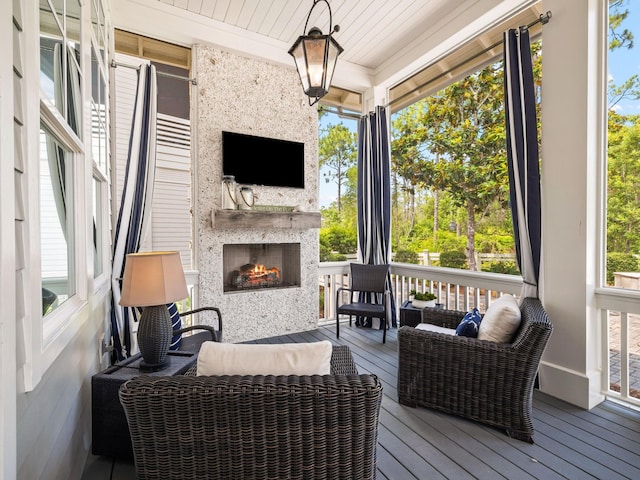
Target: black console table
[110,432]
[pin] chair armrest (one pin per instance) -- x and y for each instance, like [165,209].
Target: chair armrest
[342,361]
[215,337]
[203,309]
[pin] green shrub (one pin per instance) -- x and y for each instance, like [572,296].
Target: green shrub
[326,255]
[339,239]
[453,259]
[509,268]
[406,256]
[620,262]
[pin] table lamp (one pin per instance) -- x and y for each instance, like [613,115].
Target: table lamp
[151,280]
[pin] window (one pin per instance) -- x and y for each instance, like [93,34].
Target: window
[60,86]
[98,225]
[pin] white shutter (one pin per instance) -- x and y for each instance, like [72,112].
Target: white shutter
[171,227]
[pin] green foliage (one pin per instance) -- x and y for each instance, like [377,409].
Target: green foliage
[406,256]
[426,296]
[339,239]
[623,184]
[326,255]
[494,242]
[509,268]
[620,262]
[453,259]
[618,38]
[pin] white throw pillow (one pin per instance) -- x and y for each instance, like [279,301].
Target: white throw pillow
[435,328]
[501,320]
[265,359]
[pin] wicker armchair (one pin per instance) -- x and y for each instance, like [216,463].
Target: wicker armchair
[484,381]
[256,427]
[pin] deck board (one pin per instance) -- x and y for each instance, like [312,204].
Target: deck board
[420,443]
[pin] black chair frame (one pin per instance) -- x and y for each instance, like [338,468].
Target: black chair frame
[366,279]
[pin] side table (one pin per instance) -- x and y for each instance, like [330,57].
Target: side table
[110,431]
[410,315]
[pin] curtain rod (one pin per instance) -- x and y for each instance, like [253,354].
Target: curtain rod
[341,113]
[543,19]
[193,81]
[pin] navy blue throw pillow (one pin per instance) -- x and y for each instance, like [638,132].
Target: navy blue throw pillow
[469,324]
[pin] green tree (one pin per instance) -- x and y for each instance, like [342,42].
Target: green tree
[620,37]
[464,134]
[337,152]
[623,184]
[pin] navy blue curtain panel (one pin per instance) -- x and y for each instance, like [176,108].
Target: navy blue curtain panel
[374,193]
[134,215]
[522,156]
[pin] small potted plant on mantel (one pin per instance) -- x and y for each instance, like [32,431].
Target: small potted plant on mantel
[421,300]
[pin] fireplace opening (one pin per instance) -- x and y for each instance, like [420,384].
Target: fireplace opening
[256,266]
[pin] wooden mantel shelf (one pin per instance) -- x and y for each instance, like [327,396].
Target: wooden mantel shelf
[261,219]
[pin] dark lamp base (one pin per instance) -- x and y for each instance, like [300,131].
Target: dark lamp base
[152,367]
[154,337]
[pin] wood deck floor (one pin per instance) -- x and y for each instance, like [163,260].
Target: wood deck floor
[418,443]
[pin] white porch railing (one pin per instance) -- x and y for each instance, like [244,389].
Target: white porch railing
[455,289]
[620,346]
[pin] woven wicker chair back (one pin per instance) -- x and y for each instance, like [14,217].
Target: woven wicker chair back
[369,278]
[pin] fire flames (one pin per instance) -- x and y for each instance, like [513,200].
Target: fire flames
[255,275]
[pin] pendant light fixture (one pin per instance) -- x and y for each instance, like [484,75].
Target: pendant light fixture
[316,55]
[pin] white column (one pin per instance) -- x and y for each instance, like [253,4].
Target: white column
[573,119]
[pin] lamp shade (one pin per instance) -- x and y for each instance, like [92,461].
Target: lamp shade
[153,278]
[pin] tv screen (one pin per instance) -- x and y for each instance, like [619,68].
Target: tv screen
[263,161]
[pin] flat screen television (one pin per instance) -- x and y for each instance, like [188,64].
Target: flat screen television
[264,161]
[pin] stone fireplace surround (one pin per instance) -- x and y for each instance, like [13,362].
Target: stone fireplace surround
[243,95]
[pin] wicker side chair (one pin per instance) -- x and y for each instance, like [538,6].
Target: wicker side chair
[488,382]
[256,427]
[370,280]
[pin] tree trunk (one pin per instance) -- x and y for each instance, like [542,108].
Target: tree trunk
[471,237]
[436,207]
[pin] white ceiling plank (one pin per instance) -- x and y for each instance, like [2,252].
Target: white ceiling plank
[247,12]
[207,8]
[260,14]
[385,41]
[233,12]
[220,10]
[271,17]
[194,6]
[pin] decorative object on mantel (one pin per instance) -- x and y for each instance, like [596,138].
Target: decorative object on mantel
[152,280]
[229,197]
[246,198]
[316,55]
[273,208]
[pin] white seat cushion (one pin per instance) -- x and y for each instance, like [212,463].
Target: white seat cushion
[265,359]
[435,328]
[501,320]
